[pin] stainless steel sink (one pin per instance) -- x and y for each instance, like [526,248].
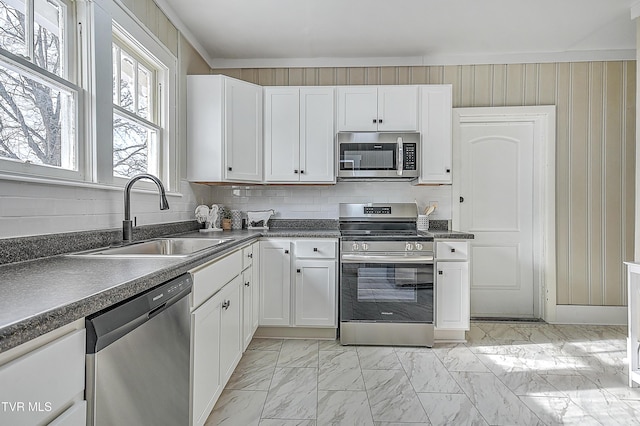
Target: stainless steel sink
[161,247]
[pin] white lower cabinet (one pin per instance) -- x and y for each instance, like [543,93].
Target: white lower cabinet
[220,328]
[230,328]
[250,294]
[315,290]
[275,282]
[44,382]
[298,282]
[205,359]
[452,286]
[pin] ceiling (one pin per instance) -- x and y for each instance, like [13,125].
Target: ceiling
[287,33]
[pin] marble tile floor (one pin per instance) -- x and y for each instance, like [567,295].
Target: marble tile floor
[505,374]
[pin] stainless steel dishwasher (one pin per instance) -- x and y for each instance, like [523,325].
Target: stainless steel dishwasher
[138,359]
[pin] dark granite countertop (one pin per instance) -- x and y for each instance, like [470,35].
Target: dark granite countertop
[448,235]
[40,295]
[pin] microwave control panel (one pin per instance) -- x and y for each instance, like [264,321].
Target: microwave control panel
[409,156]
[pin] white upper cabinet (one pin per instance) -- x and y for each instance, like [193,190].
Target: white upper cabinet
[299,134]
[224,130]
[435,128]
[378,108]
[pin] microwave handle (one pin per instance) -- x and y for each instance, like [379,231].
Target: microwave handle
[400,155]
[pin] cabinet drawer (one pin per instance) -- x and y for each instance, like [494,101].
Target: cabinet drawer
[452,250]
[315,249]
[211,277]
[247,257]
[44,381]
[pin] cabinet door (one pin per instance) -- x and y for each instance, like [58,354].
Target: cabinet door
[247,307]
[206,385]
[357,108]
[41,383]
[255,288]
[398,108]
[230,328]
[315,293]
[282,134]
[205,155]
[452,295]
[435,128]
[317,134]
[275,282]
[243,131]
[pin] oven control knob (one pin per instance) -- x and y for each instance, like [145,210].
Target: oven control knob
[365,246]
[418,246]
[408,247]
[355,247]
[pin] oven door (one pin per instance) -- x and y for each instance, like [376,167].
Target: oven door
[379,289]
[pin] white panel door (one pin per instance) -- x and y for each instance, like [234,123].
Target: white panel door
[282,134]
[357,108]
[496,190]
[398,108]
[243,131]
[315,293]
[275,283]
[317,157]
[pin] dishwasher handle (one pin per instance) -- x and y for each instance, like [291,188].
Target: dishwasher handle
[105,327]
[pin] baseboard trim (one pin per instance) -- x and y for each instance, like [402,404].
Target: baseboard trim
[594,315]
[449,336]
[296,333]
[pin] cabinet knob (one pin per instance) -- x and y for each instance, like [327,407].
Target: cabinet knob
[286,252]
[302,172]
[448,170]
[225,304]
[250,255]
[298,271]
[248,283]
[453,250]
[315,249]
[462,199]
[295,171]
[375,121]
[380,121]
[230,168]
[439,272]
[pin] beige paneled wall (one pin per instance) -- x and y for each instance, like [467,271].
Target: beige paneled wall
[156,21]
[595,150]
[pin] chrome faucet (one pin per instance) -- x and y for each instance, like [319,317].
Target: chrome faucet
[127,224]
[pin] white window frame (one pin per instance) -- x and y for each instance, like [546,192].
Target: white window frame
[149,47]
[25,66]
[90,25]
[156,117]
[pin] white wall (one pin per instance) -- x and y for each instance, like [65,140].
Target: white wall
[321,202]
[31,208]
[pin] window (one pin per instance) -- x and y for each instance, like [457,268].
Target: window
[38,97]
[136,107]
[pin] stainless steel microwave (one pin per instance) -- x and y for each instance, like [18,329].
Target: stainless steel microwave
[384,156]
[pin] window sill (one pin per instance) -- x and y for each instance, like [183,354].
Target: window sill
[80,184]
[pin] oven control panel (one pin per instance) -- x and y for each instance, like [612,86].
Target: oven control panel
[387,246]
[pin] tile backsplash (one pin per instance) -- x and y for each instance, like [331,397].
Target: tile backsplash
[321,202]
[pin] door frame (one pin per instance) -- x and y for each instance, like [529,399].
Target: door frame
[544,197]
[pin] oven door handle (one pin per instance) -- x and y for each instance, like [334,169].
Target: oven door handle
[356,258]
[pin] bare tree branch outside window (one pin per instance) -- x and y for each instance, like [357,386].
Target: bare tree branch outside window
[36,116]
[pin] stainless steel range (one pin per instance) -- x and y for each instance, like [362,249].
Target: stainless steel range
[386,276]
